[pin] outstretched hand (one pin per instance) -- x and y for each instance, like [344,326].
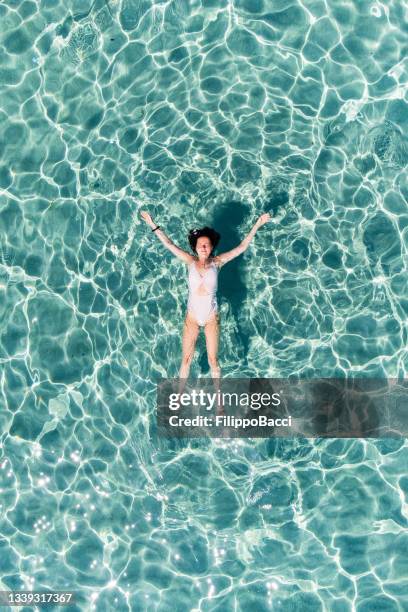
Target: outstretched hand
[147,218]
[264,219]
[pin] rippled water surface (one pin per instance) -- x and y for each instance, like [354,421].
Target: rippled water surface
[204,112]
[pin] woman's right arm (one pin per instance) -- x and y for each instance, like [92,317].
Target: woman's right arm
[183,255]
[225,257]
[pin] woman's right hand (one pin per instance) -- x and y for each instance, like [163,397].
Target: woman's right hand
[147,218]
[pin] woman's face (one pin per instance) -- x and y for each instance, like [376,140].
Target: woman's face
[203,246]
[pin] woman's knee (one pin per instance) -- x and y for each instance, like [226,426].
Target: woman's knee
[212,362]
[187,359]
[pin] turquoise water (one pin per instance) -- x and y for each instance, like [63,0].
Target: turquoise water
[204,112]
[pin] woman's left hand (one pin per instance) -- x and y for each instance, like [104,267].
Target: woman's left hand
[264,219]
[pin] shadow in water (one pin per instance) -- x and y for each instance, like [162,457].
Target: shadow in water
[227,220]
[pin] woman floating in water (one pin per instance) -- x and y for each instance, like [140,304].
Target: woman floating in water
[203,269]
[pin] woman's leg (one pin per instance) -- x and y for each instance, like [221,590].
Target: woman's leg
[190,335]
[211,331]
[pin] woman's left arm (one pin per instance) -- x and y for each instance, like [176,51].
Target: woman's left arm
[228,255]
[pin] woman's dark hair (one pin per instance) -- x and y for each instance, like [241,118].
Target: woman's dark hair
[208,232]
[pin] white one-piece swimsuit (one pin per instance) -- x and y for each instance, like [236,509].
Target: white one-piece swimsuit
[202,307]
